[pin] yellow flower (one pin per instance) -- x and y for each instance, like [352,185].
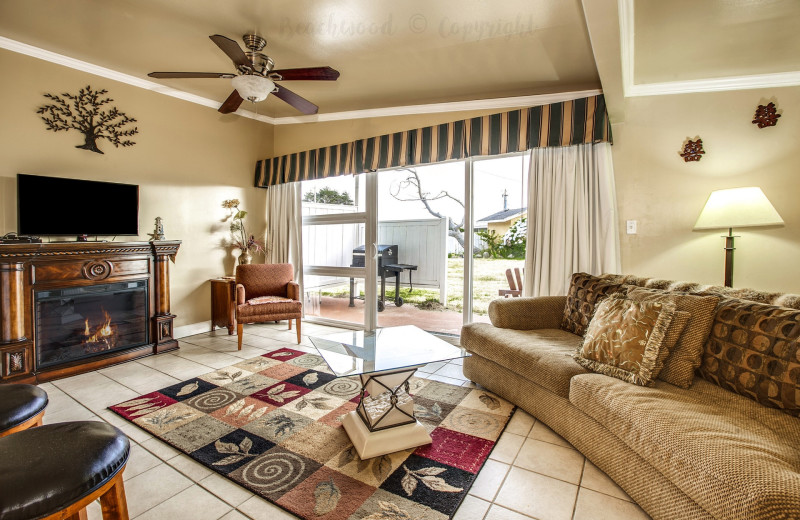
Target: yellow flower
[230,203]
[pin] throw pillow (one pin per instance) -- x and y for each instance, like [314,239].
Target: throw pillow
[624,339]
[754,351]
[685,357]
[585,292]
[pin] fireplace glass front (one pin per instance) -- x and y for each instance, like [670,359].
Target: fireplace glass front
[79,322]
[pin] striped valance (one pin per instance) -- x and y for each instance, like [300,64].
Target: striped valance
[578,121]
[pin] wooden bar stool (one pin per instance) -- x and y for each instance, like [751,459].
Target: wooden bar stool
[21,407]
[53,472]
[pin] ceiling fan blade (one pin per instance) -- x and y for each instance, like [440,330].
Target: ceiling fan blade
[303,105]
[191,75]
[308,73]
[231,104]
[232,49]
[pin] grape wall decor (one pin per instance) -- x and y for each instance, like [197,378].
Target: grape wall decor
[766,115]
[86,112]
[693,150]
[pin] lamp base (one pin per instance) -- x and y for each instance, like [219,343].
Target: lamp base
[729,249]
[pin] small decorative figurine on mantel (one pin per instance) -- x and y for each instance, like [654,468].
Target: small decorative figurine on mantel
[158,233]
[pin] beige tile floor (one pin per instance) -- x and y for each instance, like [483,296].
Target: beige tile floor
[532,472]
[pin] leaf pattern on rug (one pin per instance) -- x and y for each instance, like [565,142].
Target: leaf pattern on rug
[282,424]
[281,354]
[256,365]
[310,379]
[381,466]
[143,406]
[319,403]
[167,417]
[428,478]
[235,452]
[224,376]
[326,497]
[423,413]
[188,389]
[491,402]
[389,511]
[279,393]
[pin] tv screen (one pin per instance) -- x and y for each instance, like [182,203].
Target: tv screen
[58,206]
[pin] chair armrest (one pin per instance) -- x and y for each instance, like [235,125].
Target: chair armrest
[240,299]
[293,291]
[543,312]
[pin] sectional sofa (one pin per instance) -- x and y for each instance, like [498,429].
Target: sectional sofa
[726,447]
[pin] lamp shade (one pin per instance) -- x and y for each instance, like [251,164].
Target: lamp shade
[737,207]
[253,88]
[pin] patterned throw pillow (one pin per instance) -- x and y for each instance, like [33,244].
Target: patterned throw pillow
[754,351]
[625,338]
[683,360]
[585,292]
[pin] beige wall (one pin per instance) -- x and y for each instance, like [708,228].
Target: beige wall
[665,194]
[186,160]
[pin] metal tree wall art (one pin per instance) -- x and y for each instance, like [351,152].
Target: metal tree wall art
[693,150]
[86,112]
[766,115]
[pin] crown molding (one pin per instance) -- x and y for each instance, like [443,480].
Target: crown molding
[60,59]
[437,108]
[630,89]
[434,108]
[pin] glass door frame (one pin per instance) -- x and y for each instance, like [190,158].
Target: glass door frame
[369,218]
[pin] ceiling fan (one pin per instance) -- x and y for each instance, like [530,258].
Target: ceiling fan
[256,75]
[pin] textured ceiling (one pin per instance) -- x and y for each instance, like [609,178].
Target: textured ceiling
[389,53]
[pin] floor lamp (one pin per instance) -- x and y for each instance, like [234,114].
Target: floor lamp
[736,208]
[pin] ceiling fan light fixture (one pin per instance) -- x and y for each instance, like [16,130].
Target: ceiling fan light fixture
[253,88]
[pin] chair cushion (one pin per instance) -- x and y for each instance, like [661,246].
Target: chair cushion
[18,403]
[734,457]
[543,356]
[45,469]
[264,279]
[265,311]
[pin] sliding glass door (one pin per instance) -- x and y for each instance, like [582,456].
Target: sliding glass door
[428,245]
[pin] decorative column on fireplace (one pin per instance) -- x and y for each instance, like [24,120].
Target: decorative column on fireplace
[66,308]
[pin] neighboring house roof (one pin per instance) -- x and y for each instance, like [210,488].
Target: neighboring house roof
[502,216]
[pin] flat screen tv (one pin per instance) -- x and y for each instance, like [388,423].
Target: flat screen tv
[64,207]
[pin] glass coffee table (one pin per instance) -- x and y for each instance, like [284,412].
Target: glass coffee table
[384,361]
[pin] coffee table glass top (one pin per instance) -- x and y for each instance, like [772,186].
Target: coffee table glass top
[359,352]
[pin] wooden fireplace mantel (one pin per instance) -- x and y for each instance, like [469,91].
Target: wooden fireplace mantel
[27,268]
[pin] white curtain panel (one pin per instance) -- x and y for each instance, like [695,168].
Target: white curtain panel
[572,217]
[284,227]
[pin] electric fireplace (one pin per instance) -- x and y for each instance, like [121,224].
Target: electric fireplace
[79,322]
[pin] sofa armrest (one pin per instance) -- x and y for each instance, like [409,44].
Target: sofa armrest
[240,299]
[293,291]
[543,312]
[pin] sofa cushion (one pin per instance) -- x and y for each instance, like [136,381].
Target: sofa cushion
[754,350]
[625,339]
[543,356]
[585,292]
[734,457]
[683,360]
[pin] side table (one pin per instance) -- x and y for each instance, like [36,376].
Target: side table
[223,303]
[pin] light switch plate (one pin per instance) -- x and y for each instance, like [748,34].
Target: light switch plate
[631,226]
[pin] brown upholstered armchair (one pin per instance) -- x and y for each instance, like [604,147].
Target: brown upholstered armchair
[254,284]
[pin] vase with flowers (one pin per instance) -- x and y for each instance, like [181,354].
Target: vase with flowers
[246,243]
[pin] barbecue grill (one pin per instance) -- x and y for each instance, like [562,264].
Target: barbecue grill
[388,267]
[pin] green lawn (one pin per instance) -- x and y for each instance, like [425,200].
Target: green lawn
[488,278]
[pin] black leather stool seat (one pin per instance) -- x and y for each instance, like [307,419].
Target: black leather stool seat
[43,470]
[18,403]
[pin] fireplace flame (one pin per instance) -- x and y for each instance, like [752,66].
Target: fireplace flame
[104,336]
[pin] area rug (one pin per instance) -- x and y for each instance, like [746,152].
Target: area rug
[272,425]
